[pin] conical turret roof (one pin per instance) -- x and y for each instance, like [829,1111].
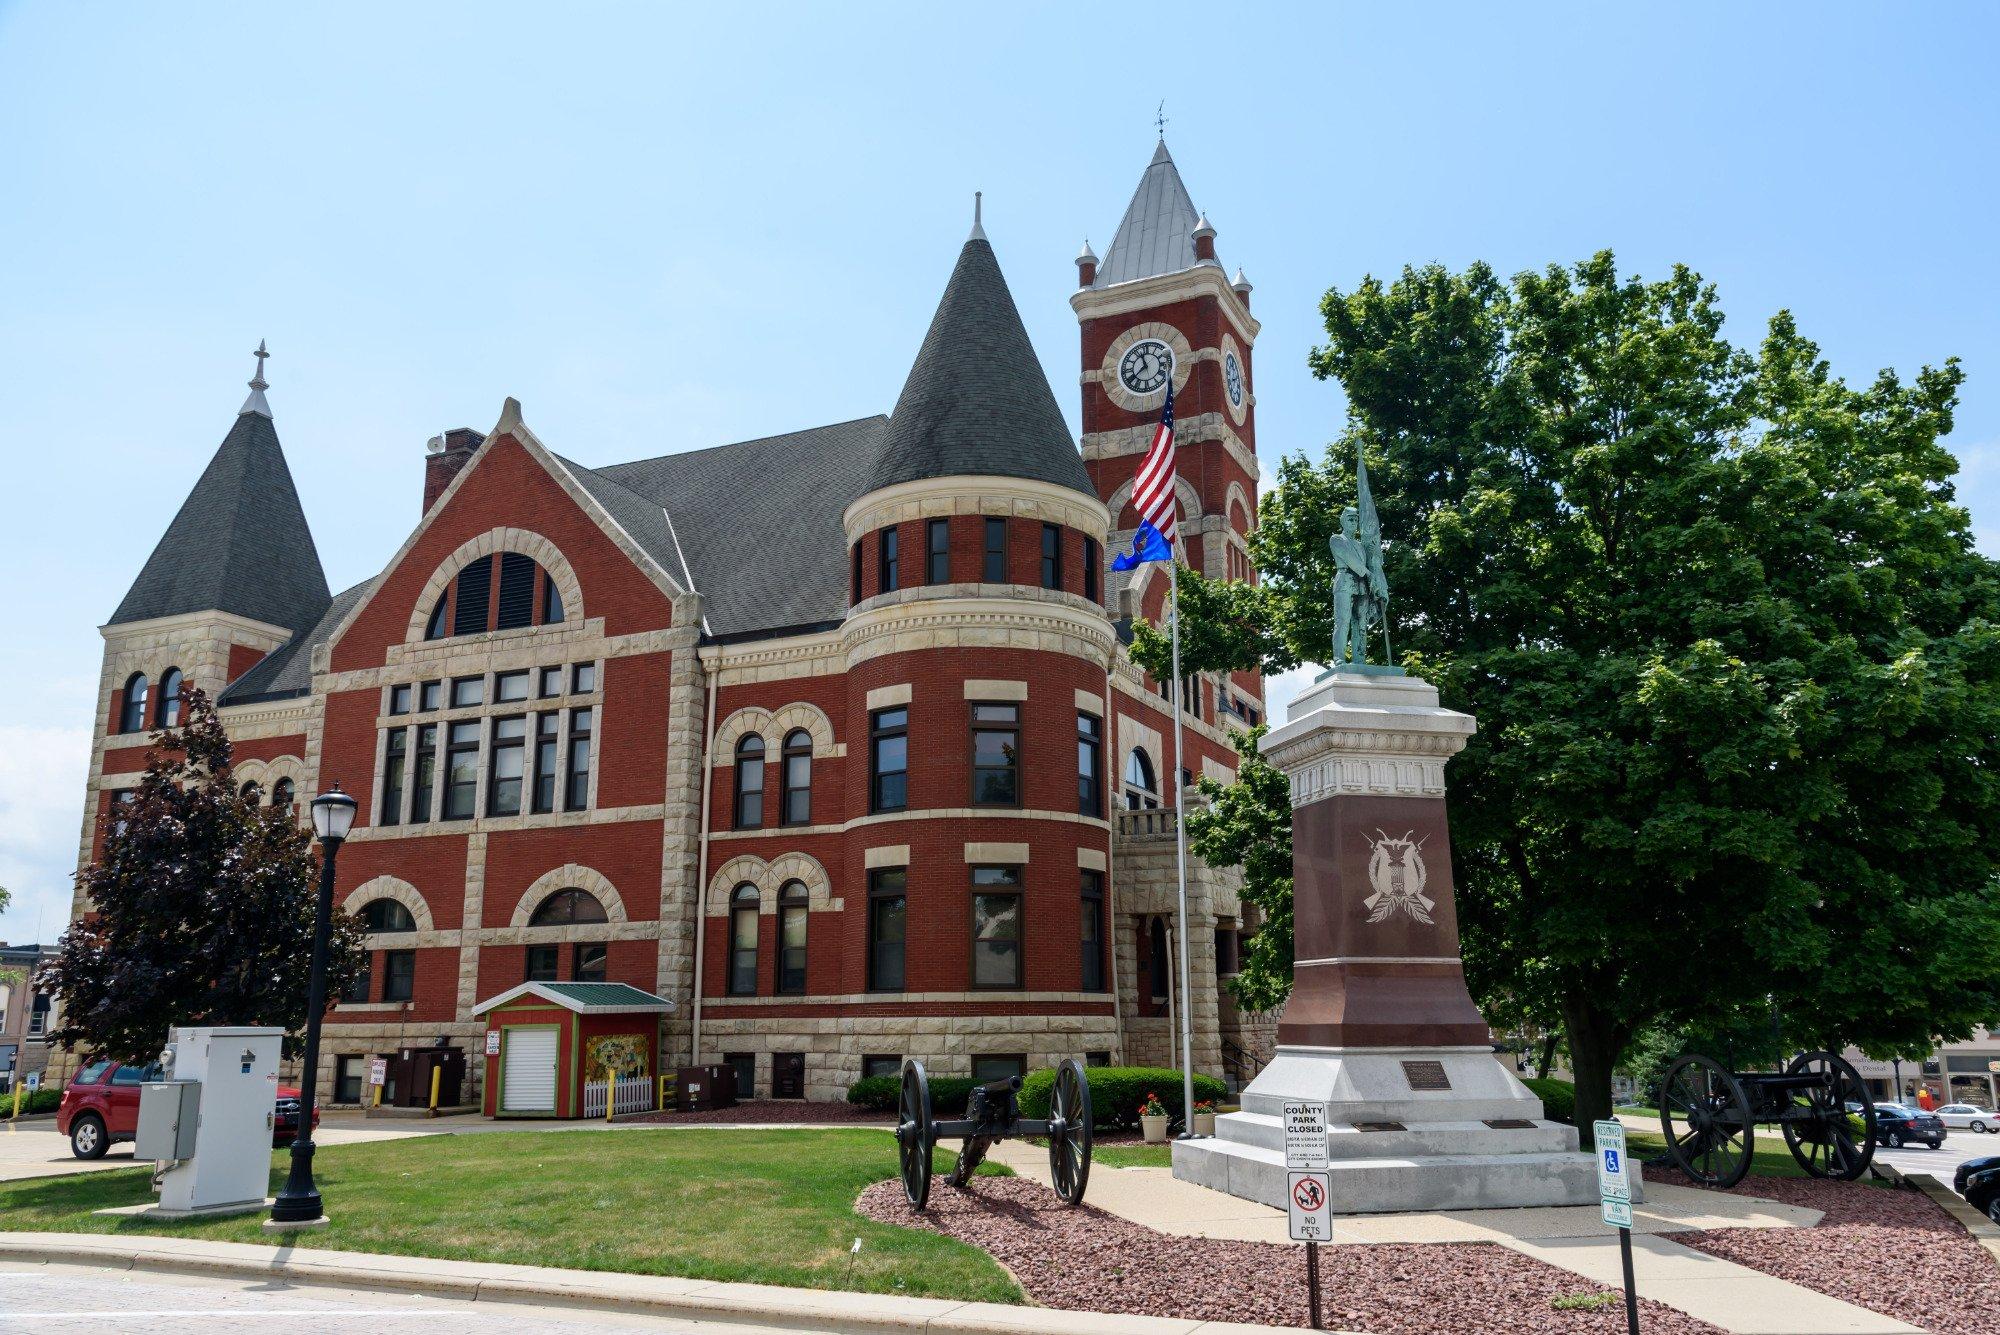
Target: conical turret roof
[976,401]
[1156,234]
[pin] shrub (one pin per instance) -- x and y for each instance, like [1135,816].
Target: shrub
[41,1101]
[1117,1091]
[882,1093]
[1558,1098]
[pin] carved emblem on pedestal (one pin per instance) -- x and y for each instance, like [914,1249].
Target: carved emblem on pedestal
[1396,870]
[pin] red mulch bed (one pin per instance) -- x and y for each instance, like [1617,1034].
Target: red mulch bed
[1893,1251]
[1085,1260]
[773,1112]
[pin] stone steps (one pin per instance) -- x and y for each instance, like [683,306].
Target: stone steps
[1416,1139]
[1395,1183]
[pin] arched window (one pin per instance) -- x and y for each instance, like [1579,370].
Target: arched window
[1157,957]
[387,915]
[1141,791]
[502,592]
[170,699]
[250,792]
[566,907]
[798,777]
[792,937]
[750,782]
[132,717]
[743,941]
[281,793]
[434,628]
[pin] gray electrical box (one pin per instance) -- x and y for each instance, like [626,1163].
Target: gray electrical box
[169,1113]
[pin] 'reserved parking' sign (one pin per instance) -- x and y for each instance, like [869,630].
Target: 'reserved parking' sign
[1614,1173]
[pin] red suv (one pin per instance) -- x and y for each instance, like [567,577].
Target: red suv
[101,1108]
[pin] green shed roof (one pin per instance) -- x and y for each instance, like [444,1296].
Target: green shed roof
[583,998]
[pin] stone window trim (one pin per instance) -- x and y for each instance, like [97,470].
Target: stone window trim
[502,539]
[770,877]
[773,725]
[390,887]
[572,876]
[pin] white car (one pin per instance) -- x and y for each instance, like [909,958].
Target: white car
[1969,1117]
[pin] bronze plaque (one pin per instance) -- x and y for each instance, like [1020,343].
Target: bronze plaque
[1426,1075]
[1510,1124]
[1379,1126]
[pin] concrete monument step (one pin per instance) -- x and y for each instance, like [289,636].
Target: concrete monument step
[1396,1183]
[1391,1140]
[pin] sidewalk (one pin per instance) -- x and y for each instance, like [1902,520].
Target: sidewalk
[656,1295]
[1573,1238]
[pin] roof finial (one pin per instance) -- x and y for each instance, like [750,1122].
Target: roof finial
[255,403]
[978,232]
[1160,120]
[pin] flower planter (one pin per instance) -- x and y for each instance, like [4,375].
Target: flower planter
[1204,1124]
[1155,1129]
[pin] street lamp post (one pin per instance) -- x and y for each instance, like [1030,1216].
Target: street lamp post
[298,1205]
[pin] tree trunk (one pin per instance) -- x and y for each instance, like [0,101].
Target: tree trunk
[1594,1042]
[1548,1061]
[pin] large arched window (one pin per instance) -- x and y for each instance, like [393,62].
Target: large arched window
[798,777]
[170,699]
[743,941]
[132,716]
[1141,790]
[387,915]
[792,909]
[750,782]
[502,592]
[565,908]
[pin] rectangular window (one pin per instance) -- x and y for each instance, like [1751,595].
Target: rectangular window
[743,928]
[588,961]
[889,759]
[399,975]
[347,1072]
[854,578]
[886,905]
[425,775]
[467,692]
[1093,931]
[475,592]
[1225,951]
[887,562]
[792,946]
[881,1064]
[583,678]
[998,1066]
[1052,556]
[550,685]
[994,567]
[357,987]
[1089,764]
[505,764]
[393,761]
[1097,1059]
[430,695]
[576,793]
[510,687]
[461,770]
[996,926]
[399,699]
[996,755]
[1091,561]
[937,551]
[517,592]
[548,737]
[542,963]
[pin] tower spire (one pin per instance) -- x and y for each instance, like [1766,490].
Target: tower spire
[978,232]
[255,403]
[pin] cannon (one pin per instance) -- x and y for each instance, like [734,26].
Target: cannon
[993,1112]
[1709,1117]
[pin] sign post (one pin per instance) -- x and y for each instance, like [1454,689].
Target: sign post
[1614,1190]
[1308,1198]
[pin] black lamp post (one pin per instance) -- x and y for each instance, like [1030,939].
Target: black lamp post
[298,1205]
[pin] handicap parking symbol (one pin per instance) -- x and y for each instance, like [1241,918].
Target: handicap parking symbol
[1611,1162]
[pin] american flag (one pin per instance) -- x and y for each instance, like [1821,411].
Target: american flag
[1153,486]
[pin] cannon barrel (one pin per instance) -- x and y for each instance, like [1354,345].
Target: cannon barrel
[1006,1084]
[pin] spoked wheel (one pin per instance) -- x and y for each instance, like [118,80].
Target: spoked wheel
[914,1133]
[1819,1128]
[970,1155]
[1069,1132]
[1705,1118]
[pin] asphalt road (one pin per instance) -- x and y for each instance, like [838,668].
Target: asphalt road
[58,1298]
[1943,1161]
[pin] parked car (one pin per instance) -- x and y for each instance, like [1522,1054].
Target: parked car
[1969,1117]
[1978,1180]
[1985,1163]
[1897,1125]
[101,1108]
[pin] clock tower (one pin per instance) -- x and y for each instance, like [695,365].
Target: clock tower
[1159,306]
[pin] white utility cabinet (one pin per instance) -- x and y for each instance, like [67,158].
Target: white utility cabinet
[237,1071]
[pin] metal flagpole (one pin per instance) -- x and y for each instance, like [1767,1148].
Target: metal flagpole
[1180,853]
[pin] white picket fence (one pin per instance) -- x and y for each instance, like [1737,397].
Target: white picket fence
[635,1094]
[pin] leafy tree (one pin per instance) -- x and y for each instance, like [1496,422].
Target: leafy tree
[1731,649]
[1248,824]
[201,909]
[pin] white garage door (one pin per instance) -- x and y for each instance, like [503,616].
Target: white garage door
[529,1080]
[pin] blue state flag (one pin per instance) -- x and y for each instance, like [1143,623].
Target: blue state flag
[1148,544]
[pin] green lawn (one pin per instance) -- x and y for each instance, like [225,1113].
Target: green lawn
[1133,1156]
[766,1207]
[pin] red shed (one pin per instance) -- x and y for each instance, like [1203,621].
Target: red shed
[565,1049]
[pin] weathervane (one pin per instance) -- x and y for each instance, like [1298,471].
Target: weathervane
[1160,118]
[260,355]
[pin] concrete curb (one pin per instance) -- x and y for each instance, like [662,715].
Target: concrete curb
[1983,1230]
[834,1311]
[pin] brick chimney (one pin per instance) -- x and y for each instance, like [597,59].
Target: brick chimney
[448,453]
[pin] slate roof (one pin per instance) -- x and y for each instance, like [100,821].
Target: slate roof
[976,401]
[1154,237]
[287,670]
[239,543]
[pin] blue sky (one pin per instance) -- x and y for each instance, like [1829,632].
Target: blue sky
[670,228]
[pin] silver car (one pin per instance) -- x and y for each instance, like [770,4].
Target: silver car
[1968,1117]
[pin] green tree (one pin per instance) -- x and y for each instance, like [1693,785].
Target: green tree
[201,909]
[1731,649]
[1248,824]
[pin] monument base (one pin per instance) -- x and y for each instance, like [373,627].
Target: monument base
[1407,1129]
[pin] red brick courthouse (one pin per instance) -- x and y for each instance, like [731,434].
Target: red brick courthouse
[829,739]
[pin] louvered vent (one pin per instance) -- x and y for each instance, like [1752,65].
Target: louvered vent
[475,588]
[517,591]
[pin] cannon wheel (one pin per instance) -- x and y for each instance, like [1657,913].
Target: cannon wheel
[1069,1132]
[1819,1130]
[1705,1118]
[914,1133]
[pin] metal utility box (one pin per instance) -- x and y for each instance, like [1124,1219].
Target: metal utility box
[409,1076]
[169,1114]
[237,1070]
[699,1088]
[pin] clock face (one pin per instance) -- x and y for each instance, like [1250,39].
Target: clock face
[1146,366]
[1232,378]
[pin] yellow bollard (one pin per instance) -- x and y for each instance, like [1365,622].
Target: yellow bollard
[18,1082]
[437,1074]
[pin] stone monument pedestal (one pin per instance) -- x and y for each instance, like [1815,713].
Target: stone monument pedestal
[1380,1027]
